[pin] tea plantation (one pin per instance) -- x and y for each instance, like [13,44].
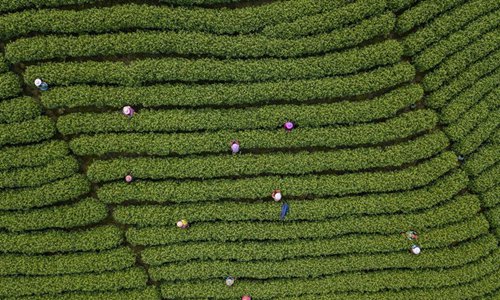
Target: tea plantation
[120,118]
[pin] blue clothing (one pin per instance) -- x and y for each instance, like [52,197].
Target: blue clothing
[284,211]
[44,86]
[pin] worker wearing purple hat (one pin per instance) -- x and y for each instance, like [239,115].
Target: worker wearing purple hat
[235,146]
[128,111]
[289,126]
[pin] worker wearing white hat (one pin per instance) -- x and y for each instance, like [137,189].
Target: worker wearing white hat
[183,224]
[41,85]
[415,249]
[276,195]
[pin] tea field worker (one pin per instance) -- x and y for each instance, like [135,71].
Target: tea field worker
[415,249]
[235,146]
[41,85]
[289,126]
[410,235]
[246,297]
[284,211]
[128,111]
[128,178]
[230,281]
[183,224]
[276,195]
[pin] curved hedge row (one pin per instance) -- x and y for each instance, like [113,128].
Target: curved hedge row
[35,130]
[458,62]
[397,5]
[479,135]
[12,5]
[84,212]
[491,197]
[192,143]
[107,281]
[36,176]
[344,282]
[457,130]
[432,56]
[280,250]
[9,85]
[135,16]
[439,191]
[18,110]
[268,116]
[250,164]
[475,289]
[61,241]
[54,192]
[460,208]
[139,72]
[3,64]
[260,187]
[95,262]
[488,179]
[465,80]
[483,158]
[446,24]
[484,90]
[148,293]
[230,94]
[243,46]
[33,155]
[315,267]
[423,12]
[327,21]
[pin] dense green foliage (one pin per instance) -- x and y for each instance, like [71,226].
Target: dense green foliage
[261,187]
[160,42]
[50,193]
[177,69]
[268,116]
[18,110]
[35,130]
[134,16]
[106,281]
[32,156]
[433,55]
[283,249]
[9,85]
[447,23]
[395,110]
[55,241]
[230,93]
[84,212]
[36,176]
[249,164]
[321,208]
[402,126]
[326,21]
[423,12]
[118,259]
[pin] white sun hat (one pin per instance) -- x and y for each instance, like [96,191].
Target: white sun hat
[277,196]
[415,249]
[38,82]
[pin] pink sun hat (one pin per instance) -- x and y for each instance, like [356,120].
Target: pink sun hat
[289,126]
[246,297]
[128,178]
[128,111]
